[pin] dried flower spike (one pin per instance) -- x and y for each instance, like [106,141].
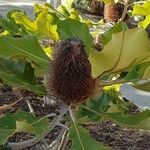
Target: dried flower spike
[70,77]
[113,12]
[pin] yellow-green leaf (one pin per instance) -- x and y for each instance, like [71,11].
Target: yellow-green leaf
[21,18]
[38,8]
[141,9]
[41,26]
[146,22]
[147,73]
[44,26]
[108,1]
[123,51]
[23,125]
[48,50]
[68,4]
[41,23]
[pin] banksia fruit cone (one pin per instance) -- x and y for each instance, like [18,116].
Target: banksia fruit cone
[110,13]
[113,12]
[70,77]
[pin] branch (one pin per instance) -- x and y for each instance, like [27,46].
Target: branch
[8,106]
[109,83]
[63,141]
[126,5]
[57,139]
[140,2]
[113,82]
[30,107]
[62,125]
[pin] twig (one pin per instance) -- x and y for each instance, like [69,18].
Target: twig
[126,5]
[20,145]
[113,82]
[72,116]
[43,140]
[27,143]
[30,107]
[9,106]
[57,139]
[63,141]
[62,125]
[51,115]
[140,2]
[109,83]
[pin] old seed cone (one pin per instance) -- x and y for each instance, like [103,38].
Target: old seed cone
[70,77]
[113,12]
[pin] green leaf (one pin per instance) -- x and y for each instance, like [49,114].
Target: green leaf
[137,72]
[126,49]
[107,36]
[113,109]
[133,74]
[38,126]
[63,10]
[21,121]
[26,47]
[143,87]
[81,139]
[20,73]
[70,28]
[94,107]
[130,120]
[18,68]
[9,24]
[145,124]
[7,128]
[119,116]
[15,82]
[147,73]
[21,68]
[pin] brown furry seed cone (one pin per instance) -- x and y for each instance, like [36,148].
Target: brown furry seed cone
[112,12]
[70,77]
[96,7]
